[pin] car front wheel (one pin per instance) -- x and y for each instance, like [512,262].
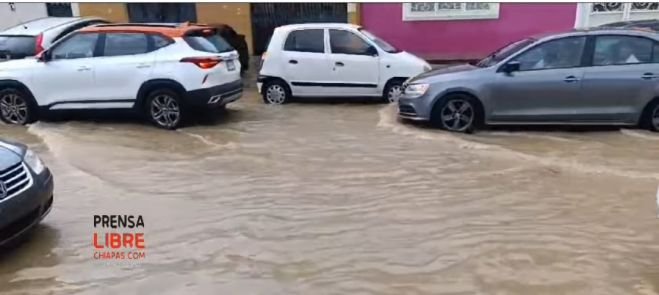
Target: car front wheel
[457,113]
[164,109]
[15,107]
[393,91]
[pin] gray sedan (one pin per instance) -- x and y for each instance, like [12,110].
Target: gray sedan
[26,191]
[590,77]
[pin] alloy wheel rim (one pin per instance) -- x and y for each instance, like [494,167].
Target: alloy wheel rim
[165,110]
[457,115]
[655,118]
[14,108]
[394,93]
[275,94]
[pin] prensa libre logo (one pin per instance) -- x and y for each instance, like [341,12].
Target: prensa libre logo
[120,237]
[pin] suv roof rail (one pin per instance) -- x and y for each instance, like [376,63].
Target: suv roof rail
[163,25]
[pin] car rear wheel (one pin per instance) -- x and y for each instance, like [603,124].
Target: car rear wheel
[393,91]
[652,119]
[164,109]
[15,107]
[456,113]
[276,92]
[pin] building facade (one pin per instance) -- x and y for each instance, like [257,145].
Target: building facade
[467,31]
[254,20]
[434,30]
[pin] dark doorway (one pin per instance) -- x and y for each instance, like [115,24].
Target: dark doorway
[162,12]
[59,9]
[267,16]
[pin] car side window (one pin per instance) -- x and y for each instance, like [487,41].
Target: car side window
[117,44]
[655,52]
[553,54]
[346,42]
[80,45]
[78,27]
[306,41]
[622,50]
[160,41]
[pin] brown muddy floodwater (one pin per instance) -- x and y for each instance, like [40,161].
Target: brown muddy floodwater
[341,198]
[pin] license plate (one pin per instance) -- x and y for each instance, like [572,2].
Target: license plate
[231,65]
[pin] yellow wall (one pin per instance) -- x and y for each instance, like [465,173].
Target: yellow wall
[115,12]
[354,13]
[236,15]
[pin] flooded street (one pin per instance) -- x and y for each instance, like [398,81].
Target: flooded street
[342,198]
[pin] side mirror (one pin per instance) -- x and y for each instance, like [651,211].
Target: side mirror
[372,51]
[510,67]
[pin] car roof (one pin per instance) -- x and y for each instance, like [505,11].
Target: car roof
[631,24]
[38,26]
[318,26]
[634,31]
[631,31]
[167,29]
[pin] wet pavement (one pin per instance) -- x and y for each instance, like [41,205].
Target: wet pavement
[342,198]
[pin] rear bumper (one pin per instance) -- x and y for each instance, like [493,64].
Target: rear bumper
[260,79]
[22,212]
[216,96]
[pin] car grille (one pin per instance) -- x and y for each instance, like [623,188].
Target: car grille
[16,179]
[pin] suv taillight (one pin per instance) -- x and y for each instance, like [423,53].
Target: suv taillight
[203,62]
[38,47]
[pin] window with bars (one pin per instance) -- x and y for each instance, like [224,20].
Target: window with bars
[59,9]
[419,11]
[603,7]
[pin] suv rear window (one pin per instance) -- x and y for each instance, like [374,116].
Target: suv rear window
[211,43]
[17,46]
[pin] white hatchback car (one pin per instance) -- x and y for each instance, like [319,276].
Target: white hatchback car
[330,60]
[30,38]
[163,71]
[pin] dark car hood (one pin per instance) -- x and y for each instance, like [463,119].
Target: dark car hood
[10,154]
[446,70]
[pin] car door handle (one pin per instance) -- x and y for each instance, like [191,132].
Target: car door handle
[292,61]
[339,64]
[570,79]
[83,68]
[143,66]
[648,76]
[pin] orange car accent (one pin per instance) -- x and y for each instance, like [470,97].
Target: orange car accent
[171,32]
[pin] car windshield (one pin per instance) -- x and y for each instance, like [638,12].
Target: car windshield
[504,52]
[379,42]
[17,46]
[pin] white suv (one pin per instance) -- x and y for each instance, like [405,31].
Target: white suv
[163,71]
[305,60]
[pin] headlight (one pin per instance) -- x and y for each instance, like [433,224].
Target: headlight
[35,163]
[416,90]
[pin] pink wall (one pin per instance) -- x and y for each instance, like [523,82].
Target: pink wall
[465,39]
